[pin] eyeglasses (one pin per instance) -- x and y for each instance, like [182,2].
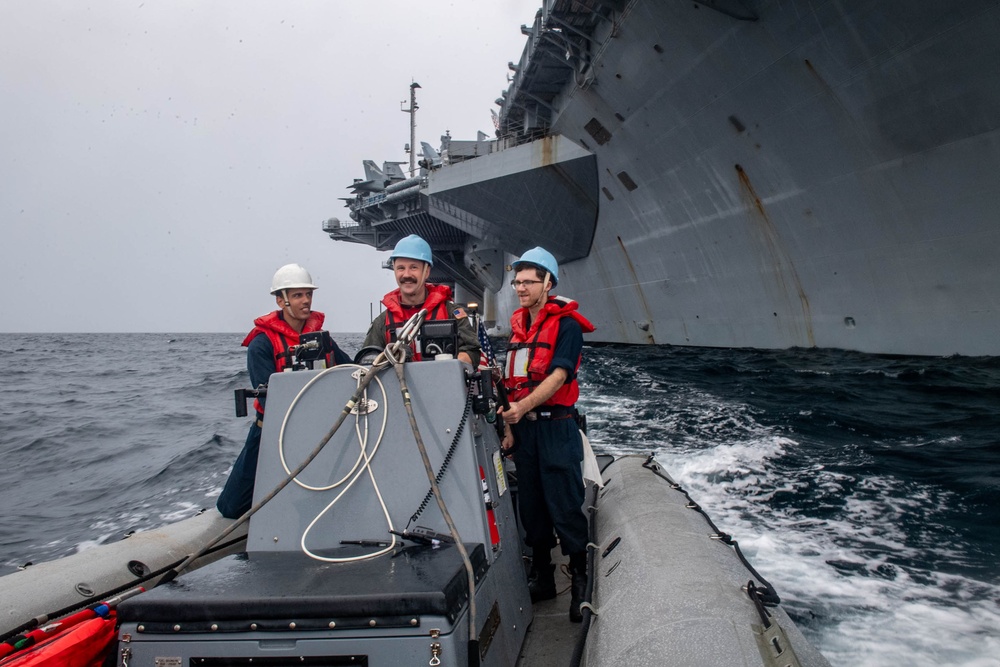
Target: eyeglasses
[518,284]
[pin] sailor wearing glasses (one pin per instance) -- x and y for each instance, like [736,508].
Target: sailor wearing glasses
[543,356]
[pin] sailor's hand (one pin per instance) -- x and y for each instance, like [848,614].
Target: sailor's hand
[508,440]
[512,414]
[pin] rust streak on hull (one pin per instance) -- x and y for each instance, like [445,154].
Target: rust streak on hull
[782,264]
[642,297]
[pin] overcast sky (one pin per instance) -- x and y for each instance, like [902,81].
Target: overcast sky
[160,159]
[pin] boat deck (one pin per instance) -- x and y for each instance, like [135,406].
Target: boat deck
[551,637]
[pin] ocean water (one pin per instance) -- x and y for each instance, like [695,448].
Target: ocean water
[864,488]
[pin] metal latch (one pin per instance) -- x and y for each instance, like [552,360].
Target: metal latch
[435,648]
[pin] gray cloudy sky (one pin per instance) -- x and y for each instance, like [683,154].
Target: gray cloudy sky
[158,160]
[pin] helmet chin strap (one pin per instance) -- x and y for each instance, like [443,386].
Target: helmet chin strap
[546,286]
[284,295]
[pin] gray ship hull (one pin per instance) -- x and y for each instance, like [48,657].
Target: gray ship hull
[760,174]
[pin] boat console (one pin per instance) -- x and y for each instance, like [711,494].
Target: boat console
[326,578]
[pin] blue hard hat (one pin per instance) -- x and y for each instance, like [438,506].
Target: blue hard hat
[541,258]
[412,247]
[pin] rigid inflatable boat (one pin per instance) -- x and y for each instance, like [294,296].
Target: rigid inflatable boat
[384,533]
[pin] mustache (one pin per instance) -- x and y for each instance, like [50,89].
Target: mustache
[403,281]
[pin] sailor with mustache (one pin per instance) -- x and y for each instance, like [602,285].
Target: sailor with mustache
[411,263]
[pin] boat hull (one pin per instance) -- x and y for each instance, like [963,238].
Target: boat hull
[668,591]
[102,572]
[820,178]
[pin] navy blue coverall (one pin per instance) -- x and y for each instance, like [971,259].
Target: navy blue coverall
[548,457]
[237,496]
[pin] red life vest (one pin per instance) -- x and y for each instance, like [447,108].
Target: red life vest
[436,304]
[539,342]
[85,644]
[283,337]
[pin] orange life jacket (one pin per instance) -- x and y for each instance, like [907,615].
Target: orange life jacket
[86,644]
[436,304]
[282,337]
[539,342]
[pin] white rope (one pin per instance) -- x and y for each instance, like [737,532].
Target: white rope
[354,477]
[394,354]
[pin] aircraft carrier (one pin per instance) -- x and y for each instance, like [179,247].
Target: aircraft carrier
[731,173]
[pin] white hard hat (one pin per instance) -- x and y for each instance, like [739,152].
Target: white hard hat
[291,276]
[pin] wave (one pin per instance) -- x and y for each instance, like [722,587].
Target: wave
[862,487]
[846,562]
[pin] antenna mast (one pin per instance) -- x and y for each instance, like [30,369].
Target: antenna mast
[413,125]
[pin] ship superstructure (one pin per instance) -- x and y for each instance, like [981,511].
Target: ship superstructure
[732,174]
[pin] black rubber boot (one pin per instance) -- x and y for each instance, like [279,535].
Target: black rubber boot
[578,590]
[542,582]
[578,587]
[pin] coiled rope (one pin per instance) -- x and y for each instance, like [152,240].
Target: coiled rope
[397,348]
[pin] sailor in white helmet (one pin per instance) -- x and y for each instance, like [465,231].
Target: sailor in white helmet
[267,344]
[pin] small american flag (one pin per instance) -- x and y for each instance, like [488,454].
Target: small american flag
[489,356]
